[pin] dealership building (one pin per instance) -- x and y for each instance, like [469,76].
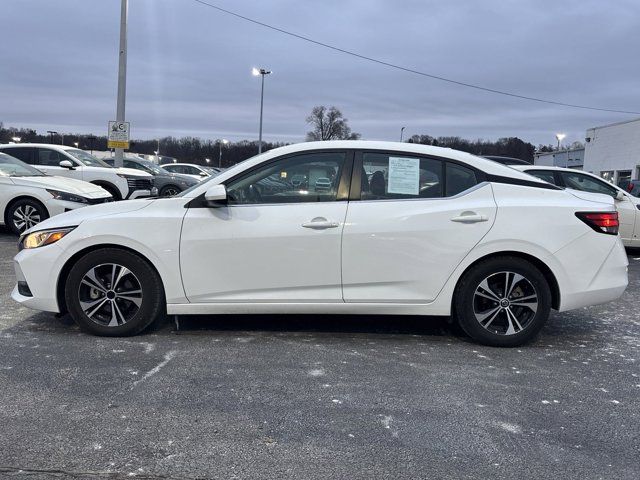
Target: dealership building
[613,151]
[569,158]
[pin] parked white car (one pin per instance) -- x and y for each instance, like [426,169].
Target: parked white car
[495,247]
[63,161]
[627,205]
[194,171]
[28,196]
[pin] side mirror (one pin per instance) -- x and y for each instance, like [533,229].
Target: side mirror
[67,164]
[204,174]
[619,196]
[216,195]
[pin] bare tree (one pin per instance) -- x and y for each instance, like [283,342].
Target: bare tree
[329,124]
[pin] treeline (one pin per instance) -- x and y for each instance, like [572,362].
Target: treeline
[196,150]
[505,147]
[185,149]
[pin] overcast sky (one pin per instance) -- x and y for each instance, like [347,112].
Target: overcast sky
[189,66]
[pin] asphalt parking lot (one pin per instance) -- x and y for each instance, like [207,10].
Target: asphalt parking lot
[319,397]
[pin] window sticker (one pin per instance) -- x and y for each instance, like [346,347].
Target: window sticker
[404,175]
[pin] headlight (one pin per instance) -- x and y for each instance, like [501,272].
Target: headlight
[43,237]
[67,197]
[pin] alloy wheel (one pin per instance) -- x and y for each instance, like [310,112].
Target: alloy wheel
[25,217]
[110,294]
[505,303]
[171,192]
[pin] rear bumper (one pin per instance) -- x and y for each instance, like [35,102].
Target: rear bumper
[608,283]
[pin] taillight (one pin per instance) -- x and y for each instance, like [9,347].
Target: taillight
[603,222]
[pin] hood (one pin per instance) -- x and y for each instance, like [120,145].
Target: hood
[69,185]
[79,215]
[592,197]
[132,172]
[183,178]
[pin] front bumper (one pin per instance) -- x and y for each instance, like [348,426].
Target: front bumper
[42,284]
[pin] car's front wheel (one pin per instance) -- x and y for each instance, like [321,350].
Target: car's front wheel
[114,292]
[502,301]
[24,214]
[169,191]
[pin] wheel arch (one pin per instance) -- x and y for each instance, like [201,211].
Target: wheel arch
[539,264]
[64,272]
[110,187]
[17,199]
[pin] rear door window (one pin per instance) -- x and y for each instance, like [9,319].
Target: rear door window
[388,176]
[21,153]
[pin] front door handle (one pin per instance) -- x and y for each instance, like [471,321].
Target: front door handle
[320,223]
[470,217]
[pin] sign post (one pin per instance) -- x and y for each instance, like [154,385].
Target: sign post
[118,135]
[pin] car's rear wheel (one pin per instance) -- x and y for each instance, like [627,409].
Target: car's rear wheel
[502,302]
[24,214]
[114,292]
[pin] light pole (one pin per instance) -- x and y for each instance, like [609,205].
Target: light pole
[158,152]
[262,72]
[51,134]
[401,133]
[122,75]
[224,141]
[560,137]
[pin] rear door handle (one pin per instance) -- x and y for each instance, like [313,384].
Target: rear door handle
[470,217]
[320,223]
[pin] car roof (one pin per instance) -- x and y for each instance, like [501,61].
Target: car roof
[545,167]
[488,166]
[507,160]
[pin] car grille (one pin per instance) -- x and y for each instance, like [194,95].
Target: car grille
[96,201]
[139,184]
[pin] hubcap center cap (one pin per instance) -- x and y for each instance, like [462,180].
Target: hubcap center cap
[111,294]
[504,303]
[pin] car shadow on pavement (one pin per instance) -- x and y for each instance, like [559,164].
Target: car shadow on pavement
[211,324]
[562,329]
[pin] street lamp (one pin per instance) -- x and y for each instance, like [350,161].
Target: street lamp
[208,160]
[224,141]
[16,139]
[51,134]
[402,133]
[77,144]
[262,72]
[560,137]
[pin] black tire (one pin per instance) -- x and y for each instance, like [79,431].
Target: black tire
[170,190]
[23,214]
[506,323]
[113,191]
[149,309]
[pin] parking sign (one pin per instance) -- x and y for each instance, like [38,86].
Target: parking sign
[118,136]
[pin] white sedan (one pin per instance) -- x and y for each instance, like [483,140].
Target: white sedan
[627,205]
[194,171]
[28,196]
[430,231]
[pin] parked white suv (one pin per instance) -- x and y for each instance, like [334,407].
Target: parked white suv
[70,162]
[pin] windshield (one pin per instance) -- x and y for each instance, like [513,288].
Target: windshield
[12,167]
[86,158]
[152,167]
